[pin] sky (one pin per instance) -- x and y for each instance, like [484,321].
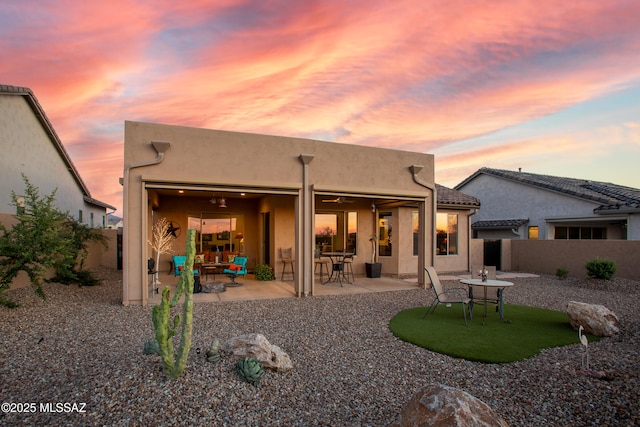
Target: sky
[552,87]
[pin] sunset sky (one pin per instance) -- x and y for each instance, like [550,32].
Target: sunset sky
[551,87]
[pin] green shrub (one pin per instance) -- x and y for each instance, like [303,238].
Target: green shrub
[263,272]
[601,268]
[562,273]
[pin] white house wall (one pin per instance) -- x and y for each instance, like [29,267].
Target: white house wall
[27,149]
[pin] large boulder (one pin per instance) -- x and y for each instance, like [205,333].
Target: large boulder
[595,319]
[440,405]
[256,345]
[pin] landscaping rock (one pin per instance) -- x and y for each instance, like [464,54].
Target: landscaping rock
[595,319]
[441,405]
[256,345]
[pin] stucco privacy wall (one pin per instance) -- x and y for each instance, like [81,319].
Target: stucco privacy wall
[546,256]
[213,157]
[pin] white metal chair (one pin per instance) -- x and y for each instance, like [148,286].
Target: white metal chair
[448,296]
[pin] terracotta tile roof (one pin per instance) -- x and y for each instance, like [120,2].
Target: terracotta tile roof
[499,224]
[611,197]
[448,197]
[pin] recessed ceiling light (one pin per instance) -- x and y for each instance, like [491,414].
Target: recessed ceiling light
[181,191]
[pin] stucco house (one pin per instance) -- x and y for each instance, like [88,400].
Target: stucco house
[521,205]
[255,195]
[30,146]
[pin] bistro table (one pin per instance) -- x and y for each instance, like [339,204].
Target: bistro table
[337,266]
[500,284]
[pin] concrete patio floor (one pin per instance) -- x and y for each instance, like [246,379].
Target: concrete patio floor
[253,289]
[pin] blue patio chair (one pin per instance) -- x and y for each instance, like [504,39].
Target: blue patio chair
[178,264]
[237,268]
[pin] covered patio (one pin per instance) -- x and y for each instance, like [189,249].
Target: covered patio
[253,289]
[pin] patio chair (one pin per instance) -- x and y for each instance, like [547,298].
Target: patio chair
[286,255]
[237,268]
[348,267]
[323,263]
[178,264]
[476,293]
[448,296]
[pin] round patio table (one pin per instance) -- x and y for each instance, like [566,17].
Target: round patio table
[491,283]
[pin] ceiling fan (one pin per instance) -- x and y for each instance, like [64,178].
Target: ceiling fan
[338,200]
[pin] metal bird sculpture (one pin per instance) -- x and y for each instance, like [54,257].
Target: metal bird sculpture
[585,348]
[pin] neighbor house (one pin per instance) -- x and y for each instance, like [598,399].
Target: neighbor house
[256,195]
[521,205]
[31,147]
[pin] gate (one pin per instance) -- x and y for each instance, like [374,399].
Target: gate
[493,253]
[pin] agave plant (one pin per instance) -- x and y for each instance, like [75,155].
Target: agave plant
[250,370]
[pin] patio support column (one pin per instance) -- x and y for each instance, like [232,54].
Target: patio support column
[422,223]
[160,147]
[304,252]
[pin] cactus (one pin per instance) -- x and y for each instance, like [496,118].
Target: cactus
[213,352]
[166,329]
[250,370]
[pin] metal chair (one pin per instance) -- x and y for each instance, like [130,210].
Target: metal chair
[237,268]
[322,263]
[448,296]
[286,255]
[348,267]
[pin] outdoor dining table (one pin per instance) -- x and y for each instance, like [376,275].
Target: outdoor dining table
[337,266]
[490,283]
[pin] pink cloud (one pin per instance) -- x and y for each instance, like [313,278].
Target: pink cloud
[414,75]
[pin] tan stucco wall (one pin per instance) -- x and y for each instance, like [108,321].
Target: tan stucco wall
[546,256]
[239,160]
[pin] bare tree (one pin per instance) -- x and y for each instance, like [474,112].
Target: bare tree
[161,243]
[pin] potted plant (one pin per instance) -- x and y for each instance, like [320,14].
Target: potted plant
[263,272]
[373,268]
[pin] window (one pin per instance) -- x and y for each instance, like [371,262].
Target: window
[91,219]
[533,232]
[221,232]
[336,231]
[447,234]
[80,216]
[580,233]
[384,234]
[416,237]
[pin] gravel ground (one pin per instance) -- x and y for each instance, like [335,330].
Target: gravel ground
[83,347]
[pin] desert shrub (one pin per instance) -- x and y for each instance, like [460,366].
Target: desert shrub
[562,273]
[601,268]
[43,238]
[263,272]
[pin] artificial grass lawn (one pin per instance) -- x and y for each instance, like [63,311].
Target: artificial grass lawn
[527,330]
